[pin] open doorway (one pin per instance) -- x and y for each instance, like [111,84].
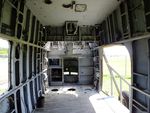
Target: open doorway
[117,72]
[71,70]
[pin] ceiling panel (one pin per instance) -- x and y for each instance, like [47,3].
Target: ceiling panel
[55,15]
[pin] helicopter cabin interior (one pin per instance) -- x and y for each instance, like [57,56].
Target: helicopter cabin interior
[54,54]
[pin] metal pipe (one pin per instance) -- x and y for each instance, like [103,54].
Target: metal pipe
[139,90]
[112,77]
[120,90]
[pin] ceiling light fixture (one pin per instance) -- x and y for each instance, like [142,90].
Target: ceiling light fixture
[76,7]
[80,7]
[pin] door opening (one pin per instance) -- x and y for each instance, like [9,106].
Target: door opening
[117,73]
[71,70]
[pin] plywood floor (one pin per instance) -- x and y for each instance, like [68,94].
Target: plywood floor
[83,100]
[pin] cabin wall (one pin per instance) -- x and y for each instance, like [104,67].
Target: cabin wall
[24,32]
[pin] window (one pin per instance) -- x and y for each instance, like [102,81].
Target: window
[54,62]
[4,54]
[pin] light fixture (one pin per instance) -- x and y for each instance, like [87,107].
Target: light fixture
[80,7]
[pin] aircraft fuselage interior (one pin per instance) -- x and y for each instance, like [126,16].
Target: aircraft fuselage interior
[91,47]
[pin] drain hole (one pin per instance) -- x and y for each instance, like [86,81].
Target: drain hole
[88,89]
[54,90]
[48,2]
[71,89]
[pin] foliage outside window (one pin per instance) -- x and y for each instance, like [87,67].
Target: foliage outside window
[4,51]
